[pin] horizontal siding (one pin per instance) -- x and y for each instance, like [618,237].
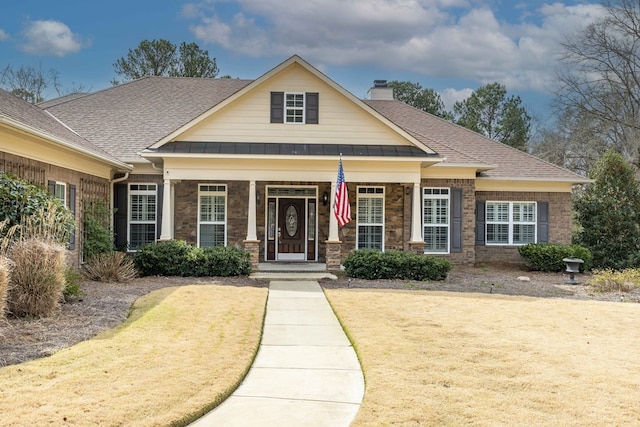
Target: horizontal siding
[247,119]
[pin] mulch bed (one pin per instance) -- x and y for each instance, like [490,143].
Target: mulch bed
[105,305]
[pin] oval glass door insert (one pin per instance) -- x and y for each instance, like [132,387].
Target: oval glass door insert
[292,220]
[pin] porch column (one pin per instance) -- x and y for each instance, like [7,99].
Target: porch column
[251,219]
[333,221]
[166,233]
[416,217]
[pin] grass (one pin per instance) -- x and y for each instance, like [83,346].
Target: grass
[181,352]
[429,358]
[436,358]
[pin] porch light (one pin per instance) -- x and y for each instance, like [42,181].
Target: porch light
[325,198]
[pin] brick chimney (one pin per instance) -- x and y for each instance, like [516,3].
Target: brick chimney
[380,91]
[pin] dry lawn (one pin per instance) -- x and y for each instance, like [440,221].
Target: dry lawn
[437,358]
[180,353]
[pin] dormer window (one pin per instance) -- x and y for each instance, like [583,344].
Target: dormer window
[294,108]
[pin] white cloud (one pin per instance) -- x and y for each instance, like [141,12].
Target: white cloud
[3,35]
[51,38]
[450,96]
[436,38]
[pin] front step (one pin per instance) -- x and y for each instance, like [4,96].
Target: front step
[292,271]
[292,275]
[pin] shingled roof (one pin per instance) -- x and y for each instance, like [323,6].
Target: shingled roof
[461,146]
[130,117]
[19,113]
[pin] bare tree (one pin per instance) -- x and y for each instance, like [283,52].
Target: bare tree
[28,82]
[600,81]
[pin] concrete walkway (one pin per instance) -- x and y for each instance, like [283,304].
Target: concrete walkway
[305,374]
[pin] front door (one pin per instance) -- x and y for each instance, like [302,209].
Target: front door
[291,229]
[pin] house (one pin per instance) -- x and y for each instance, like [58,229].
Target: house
[254,164]
[38,148]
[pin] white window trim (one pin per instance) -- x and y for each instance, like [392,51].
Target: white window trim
[303,108]
[130,221]
[434,225]
[511,222]
[226,207]
[62,185]
[359,223]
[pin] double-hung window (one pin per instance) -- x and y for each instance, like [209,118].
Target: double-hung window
[370,218]
[212,215]
[142,214]
[294,107]
[435,220]
[60,192]
[511,223]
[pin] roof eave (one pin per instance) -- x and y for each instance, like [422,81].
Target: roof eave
[36,132]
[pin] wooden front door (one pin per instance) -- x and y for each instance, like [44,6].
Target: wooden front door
[291,229]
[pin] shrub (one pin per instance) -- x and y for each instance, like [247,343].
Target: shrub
[609,280]
[37,278]
[110,267]
[166,258]
[372,264]
[72,288]
[4,284]
[20,201]
[608,211]
[98,236]
[177,258]
[549,256]
[220,261]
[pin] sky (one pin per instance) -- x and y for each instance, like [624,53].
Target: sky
[452,46]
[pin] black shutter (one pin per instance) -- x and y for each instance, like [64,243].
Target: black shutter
[277,107]
[159,211]
[311,108]
[543,222]
[456,220]
[72,208]
[120,205]
[481,223]
[52,187]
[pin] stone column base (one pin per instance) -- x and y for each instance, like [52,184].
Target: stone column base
[253,247]
[416,247]
[333,255]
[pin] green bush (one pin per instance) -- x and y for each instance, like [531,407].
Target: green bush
[608,211]
[72,288]
[220,261]
[98,235]
[20,200]
[549,256]
[177,258]
[165,258]
[372,264]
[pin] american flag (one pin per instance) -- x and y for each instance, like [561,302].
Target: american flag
[342,207]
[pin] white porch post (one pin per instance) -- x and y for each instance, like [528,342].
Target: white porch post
[251,221]
[166,232]
[416,216]
[333,221]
